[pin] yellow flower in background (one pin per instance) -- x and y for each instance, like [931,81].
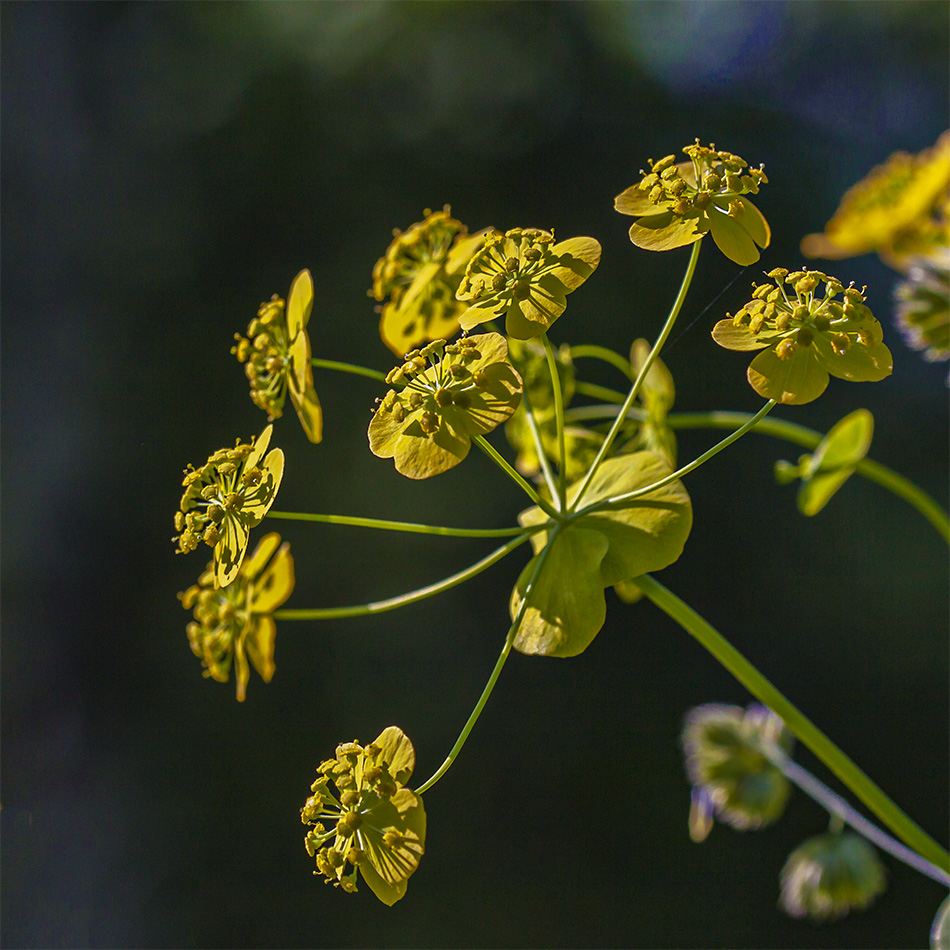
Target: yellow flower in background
[418,277]
[524,276]
[898,210]
[805,336]
[276,354]
[232,623]
[225,498]
[923,305]
[678,204]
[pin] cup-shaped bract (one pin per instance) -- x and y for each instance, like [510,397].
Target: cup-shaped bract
[830,875]
[368,822]
[678,204]
[232,624]
[524,277]
[417,277]
[444,395]
[621,540]
[805,335]
[225,498]
[276,357]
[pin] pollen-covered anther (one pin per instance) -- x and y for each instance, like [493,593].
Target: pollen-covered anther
[392,839]
[806,284]
[532,254]
[682,205]
[736,209]
[499,282]
[354,856]
[511,264]
[399,413]
[233,501]
[415,400]
[334,858]
[349,799]
[711,181]
[800,313]
[429,422]
[782,321]
[821,322]
[840,343]
[458,371]
[733,183]
[785,349]
[521,290]
[443,398]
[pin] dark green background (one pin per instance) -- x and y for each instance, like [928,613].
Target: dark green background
[165,168]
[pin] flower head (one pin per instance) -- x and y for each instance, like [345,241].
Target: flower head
[225,498]
[805,336]
[892,211]
[728,760]
[832,464]
[276,354]
[232,624]
[923,305]
[830,875]
[418,277]
[376,825]
[445,394]
[524,276]
[677,204]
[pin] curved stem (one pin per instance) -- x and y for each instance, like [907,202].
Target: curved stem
[349,368]
[538,444]
[886,477]
[403,600]
[809,734]
[495,673]
[647,363]
[503,464]
[686,469]
[406,526]
[605,354]
[559,419]
[839,808]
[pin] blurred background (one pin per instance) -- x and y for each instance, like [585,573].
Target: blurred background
[168,166]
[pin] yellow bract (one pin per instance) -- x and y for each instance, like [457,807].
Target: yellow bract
[233,623]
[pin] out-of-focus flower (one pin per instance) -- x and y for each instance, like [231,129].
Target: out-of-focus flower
[893,211]
[678,204]
[446,394]
[276,354]
[832,464]
[377,826]
[233,623]
[805,336]
[524,276]
[940,931]
[830,875]
[418,277]
[225,498]
[728,760]
[656,397]
[923,305]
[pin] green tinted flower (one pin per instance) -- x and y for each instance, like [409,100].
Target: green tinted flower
[418,277]
[805,336]
[892,210]
[446,393]
[566,605]
[656,397]
[830,875]
[676,205]
[233,623]
[370,822]
[276,354]
[923,305]
[225,498]
[727,757]
[833,463]
[524,276]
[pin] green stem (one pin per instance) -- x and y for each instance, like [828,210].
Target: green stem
[538,445]
[638,382]
[799,435]
[495,673]
[559,419]
[598,392]
[605,354]
[406,526]
[503,464]
[403,600]
[349,368]
[619,500]
[859,783]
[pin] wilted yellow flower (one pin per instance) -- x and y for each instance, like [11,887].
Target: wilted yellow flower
[377,825]
[524,276]
[891,211]
[276,353]
[805,336]
[418,277]
[677,204]
[233,623]
[225,498]
[446,394]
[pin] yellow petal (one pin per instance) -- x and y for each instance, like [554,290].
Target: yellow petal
[299,303]
[859,363]
[256,562]
[636,202]
[397,753]
[259,645]
[302,394]
[475,316]
[754,222]
[664,232]
[276,583]
[793,381]
[732,238]
[577,259]
[258,502]
[229,551]
[260,447]
[727,334]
